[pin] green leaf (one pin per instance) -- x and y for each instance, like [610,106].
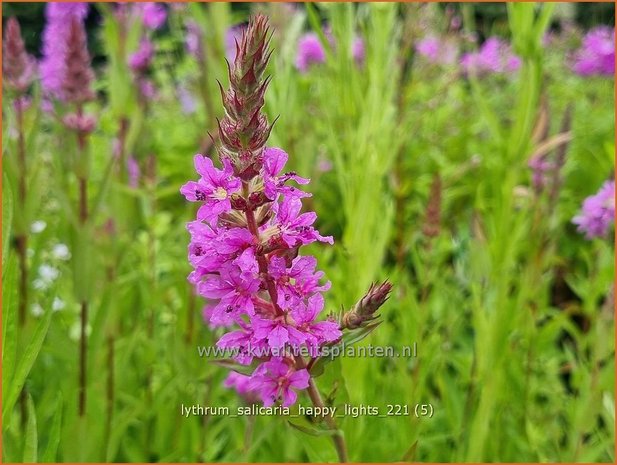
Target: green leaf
[104,184]
[410,455]
[25,365]
[50,454]
[356,335]
[312,431]
[232,365]
[30,444]
[9,321]
[349,338]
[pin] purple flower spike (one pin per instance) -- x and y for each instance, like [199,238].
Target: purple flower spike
[598,212]
[245,242]
[55,35]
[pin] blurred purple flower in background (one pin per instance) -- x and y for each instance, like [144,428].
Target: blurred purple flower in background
[187,100]
[358,51]
[193,39]
[132,168]
[310,52]
[598,212]
[233,34]
[53,64]
[494,56]
[597,53]
[142,58]
[153,14]
[437,50]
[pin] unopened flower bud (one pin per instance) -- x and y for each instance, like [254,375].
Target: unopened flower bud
[238,202]
[365,308]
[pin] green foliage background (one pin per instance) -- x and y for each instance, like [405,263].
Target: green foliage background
[510,307]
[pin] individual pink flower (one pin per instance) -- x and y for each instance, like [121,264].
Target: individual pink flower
[214,188]
[242,343]
[294,227]
[316,333]
[274,183]
[235,292]
[297,281]
[277,332]
[277,381]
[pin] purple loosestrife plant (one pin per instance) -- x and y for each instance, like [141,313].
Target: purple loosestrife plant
[18,67]
[19,70]
[245,247]
[598,212]
[597,53]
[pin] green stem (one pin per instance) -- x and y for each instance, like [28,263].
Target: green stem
[337,437]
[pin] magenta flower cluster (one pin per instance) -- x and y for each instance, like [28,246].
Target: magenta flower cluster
[494,56]
[52,67]
[598,212]
[597,53]
[244,251]
[311,52]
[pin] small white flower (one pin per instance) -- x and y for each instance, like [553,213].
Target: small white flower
[36,310]
[61,252]
[39,284]
[48,273]
[38,226]
[58,304]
